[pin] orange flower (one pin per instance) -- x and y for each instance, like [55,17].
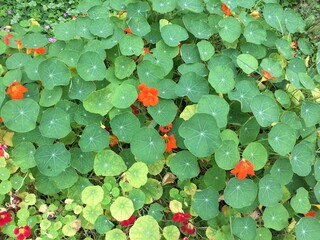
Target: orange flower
[243,168]
[30,50]
[19,42]
[6,38]
[113,140]
[226,10]
[170,142]
[267,75]
[165,129]
[40,50]
[148,96]
[310,214]
[127,30]
[1,120]
[145,51]
[294,45]
[16,90]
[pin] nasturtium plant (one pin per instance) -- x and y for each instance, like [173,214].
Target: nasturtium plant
[160,119]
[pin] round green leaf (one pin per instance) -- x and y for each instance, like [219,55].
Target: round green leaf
[275,217]
[91,67]
[244,228]
[247,63]
[272,66]
[153,190]
[50,97]
[137,174]
[52,159]
[270,191]
[227,156]
[108,163]
[263,234]
[273,14]
[281,171]
[164,6]
[249,131]
[81,161]
[54,72]
[102,225]
[149,73]
[244,92]
[4,174]
[221,79]
[5,187]
[164,112]
[124,96]
[230,29]
[201,134]
[284,48]
[55,123]
[282,98]
[23,155]
[184,165]
[122,208]
[20,115]
[166,89]
[216,178]
[257,154]
[302,158]
[173,34]
[147,145]
[17,60]
[69,57]
[99,101]
[82,26]
[300,202]
[265,110]
[205,203]
[92,212]
[189,53]
[116,234]
[215,106]
[124,126]
[34,40]
[171,232]
[139,26]
[131,45]
[92,195]
[206,50]
[145,227]
[65,31]
[80,89]
[240,193]
[282,138]
[307,229]
[255,33]
[66,179]
[123,67]
[102,27]
[310,112]
[94,138]
[138,198]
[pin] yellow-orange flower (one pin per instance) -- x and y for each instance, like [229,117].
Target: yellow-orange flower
[170,142]
[19,42]
[16,90]
[267,75]
[226,10]
[148,96]
[243,169]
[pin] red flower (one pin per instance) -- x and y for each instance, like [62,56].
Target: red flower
[226,10]
[170,142]
[148,96]
[16,90]
[243,168]
[310,214]
[181,217]
[165,129]
[6,38]
[127,30]
[5,217]
[188,228]
[135,110]
[129,221]
[145,51]
[113,140]
[267,75]
[22,232]
[294,45]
